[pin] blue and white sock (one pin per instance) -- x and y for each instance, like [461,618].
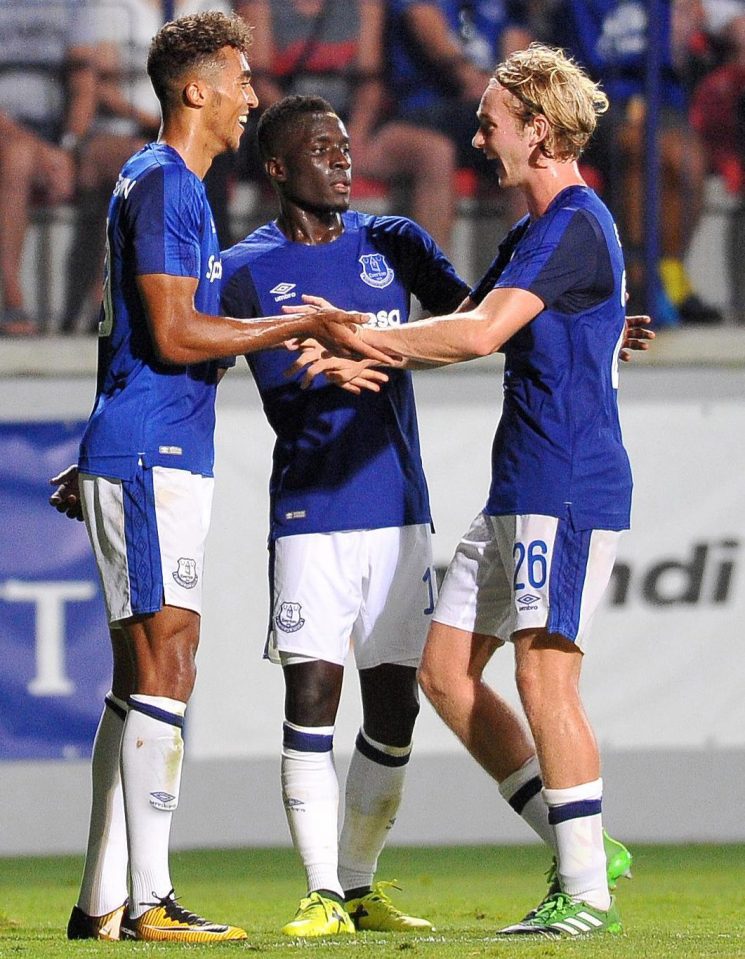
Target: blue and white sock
[523,790]
[375,783]
[152,757]
[103,887]
[575,816]
[310,790]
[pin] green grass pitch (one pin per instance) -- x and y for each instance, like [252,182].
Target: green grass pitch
[684,901]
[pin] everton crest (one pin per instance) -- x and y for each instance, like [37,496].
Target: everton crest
[186,574]
[288,618]
[375,271]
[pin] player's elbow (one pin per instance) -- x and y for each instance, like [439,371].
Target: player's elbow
[484,343]
[169,352]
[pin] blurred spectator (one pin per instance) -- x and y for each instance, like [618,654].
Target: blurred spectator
[334,48]
[720,13]
[113,37]
[718,113]
[441,54]
[610,38]
[46,101]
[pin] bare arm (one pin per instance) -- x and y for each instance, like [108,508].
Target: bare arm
[369,97]
[439,44]
[487,328]
[82,98]
[473,330]
[182,335]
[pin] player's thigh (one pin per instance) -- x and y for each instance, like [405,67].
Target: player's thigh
[476,593]
[453,660]
[560,574]
[148,537]
[315,585]
[399,593]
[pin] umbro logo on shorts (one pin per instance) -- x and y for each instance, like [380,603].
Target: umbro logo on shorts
[527,602]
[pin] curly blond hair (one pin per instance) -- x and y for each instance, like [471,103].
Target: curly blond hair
[193,41]
[545,81]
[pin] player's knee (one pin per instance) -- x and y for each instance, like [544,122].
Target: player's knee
[313,708]
[439,160]
[312,692]
[393,721]
[529,683]
[434,682]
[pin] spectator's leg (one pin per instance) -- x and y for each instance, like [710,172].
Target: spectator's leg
[428,160]
[18,161]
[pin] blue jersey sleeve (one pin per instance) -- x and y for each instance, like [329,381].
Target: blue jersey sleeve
[238,296]
[426,271]
[567,266]
[504,253]
[164,213]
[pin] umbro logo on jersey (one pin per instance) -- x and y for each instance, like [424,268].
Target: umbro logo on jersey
[283,291]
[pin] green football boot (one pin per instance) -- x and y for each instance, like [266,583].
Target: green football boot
[561,917]
[618,859]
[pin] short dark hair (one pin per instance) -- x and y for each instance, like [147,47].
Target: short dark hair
[276,119]
[191,41]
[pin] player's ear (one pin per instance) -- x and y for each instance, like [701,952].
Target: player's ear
[540,128]
[275,169]
[194,93]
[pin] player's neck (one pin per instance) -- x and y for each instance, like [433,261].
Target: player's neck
[548,182]
[311,227]
[189,142]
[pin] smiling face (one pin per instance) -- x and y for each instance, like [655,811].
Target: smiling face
[501,136]
[230,99]
[313,168]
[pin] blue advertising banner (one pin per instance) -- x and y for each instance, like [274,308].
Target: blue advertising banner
[54,650]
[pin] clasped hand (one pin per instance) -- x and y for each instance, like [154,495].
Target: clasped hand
[345,359]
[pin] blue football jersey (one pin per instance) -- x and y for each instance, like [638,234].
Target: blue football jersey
[477,25]
[558,449]
[146,411]
[341,462]
[609,37]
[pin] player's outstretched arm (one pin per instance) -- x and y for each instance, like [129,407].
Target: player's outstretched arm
[182,335]
[474,330]
[637,337]
[66,497]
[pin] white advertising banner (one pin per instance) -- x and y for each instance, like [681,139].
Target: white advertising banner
[664,667]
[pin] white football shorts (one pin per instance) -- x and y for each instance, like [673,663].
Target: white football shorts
[525,572]
[375,589]
[148,538]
